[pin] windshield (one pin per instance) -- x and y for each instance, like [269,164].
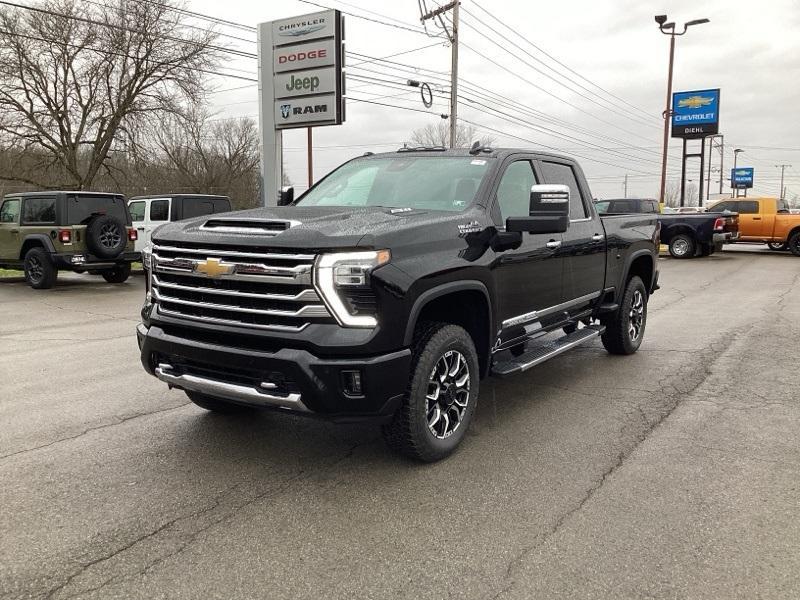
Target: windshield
[433,183]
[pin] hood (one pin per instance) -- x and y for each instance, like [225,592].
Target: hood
[304,227]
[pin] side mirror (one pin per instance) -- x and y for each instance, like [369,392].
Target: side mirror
[286,196]
[548,213]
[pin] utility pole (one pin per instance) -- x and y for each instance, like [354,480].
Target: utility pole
[782,168]
[452,35]
[625,185]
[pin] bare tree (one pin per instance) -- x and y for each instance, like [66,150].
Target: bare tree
[211,156]
[78,79]
[439,135]
[672,194]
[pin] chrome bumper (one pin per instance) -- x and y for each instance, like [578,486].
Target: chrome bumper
[230,391]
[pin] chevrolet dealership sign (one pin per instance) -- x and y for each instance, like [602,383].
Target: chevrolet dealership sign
[307,84]
[695,114]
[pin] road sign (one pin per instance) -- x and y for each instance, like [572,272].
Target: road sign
[695,114]
[742,178]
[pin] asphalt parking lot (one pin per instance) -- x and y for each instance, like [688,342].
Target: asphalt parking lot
[673,473]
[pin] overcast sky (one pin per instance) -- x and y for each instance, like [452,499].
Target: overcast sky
[749,50]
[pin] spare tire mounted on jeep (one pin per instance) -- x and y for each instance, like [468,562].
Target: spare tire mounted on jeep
[106,236]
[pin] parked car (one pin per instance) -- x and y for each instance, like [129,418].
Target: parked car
[44,232]
[624,206]
[766,220]
[697,234]
[148,212]
[392,287]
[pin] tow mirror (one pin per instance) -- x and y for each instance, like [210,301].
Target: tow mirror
[548,212]
[286,196]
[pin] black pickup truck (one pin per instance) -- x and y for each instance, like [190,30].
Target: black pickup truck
[392,287]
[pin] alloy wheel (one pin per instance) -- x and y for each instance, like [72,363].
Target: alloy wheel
[680,247]
[448,394]
[35,269]
[110,236]
[636,316]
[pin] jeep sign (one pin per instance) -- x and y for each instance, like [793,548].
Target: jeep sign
[305,83]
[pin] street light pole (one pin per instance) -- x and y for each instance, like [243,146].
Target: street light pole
[734,189]
[669,29]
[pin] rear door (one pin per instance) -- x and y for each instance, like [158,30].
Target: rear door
[158,211]
[138,210]
[528,279]
[750,220]
[584,244]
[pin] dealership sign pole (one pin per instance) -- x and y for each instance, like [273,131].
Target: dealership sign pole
[300,85]
[695,115]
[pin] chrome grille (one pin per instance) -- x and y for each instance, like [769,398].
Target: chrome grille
[262,289]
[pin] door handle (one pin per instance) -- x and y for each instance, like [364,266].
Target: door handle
[140,228]
[553,244]
[597,237]
[756,218]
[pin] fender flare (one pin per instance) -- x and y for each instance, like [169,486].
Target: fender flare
[634,255]
[442,290]
[43,238]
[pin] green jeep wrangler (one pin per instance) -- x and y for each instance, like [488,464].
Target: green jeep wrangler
[43,232]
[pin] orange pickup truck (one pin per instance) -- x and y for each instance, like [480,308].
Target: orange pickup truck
[766,220]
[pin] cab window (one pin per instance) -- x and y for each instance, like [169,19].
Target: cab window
[602,207]
[39,210]
[746,207]
[9,212]
[137,210]
[514,191]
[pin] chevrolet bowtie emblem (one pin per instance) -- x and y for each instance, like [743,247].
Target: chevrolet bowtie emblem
[213,267]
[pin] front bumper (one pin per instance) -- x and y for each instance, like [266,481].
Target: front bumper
[288,379]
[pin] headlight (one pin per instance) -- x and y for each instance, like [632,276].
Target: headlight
[147,255]
[343,271]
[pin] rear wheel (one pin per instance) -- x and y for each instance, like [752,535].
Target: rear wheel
[794,243]
[682,246]
[40,272]
[118,274]
[707,249]
[216,404]
[441,397]
[777,246]
[625,330]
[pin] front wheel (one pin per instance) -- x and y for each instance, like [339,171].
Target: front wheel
[441,396]
[118,274]
[625,330]
[777,246]
[682,246]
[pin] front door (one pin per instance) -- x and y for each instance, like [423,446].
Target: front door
[584,245]
[9,229]
[528,279]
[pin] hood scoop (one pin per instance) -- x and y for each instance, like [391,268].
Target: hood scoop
[247,227]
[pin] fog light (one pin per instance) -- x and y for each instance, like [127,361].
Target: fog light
[351,383]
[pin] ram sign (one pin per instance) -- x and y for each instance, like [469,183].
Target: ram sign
[742,178]
[695,114]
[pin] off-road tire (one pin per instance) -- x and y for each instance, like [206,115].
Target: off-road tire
[118,274]
[40,272]
[794,243]
[106,236]
[408,431]
[217,405]
[617,338]
[682,246]
[777,246]
[719,246]
[707,249]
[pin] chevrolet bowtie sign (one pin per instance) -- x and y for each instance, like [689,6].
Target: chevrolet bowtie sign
[306,70]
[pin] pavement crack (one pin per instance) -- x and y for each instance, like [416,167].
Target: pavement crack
[91,429]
